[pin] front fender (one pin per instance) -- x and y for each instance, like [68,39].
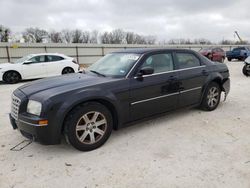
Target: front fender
[80,97]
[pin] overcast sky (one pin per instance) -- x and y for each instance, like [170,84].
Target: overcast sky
[166,19]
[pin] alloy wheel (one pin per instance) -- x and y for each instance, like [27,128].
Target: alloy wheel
[213,97]
[12,77]
[67,71]
[91,127]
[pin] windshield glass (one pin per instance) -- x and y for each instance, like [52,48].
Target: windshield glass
[23,59]
[115,64]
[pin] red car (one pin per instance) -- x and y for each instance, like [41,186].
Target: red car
[214,54]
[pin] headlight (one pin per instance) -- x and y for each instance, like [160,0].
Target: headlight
[34,107]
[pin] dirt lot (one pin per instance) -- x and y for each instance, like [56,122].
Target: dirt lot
[188,148]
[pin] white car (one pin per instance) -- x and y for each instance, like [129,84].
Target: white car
[37,66]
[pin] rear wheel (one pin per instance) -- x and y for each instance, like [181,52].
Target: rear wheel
[67,70]
[211,98]
[88,126]
[11,77]
[229,59]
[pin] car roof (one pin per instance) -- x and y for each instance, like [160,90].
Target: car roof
[148,50]
[49,54]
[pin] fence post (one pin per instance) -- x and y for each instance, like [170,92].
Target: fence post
[77,56]
[102,51]
[8,53]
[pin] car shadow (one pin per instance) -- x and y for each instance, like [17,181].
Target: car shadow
[22,81]
[118,136]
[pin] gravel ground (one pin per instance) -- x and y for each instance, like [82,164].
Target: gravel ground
[188,148]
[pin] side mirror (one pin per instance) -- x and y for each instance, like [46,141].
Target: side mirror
[145,71]
[27,62]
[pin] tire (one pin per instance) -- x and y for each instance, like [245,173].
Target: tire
[243,58]
[88,126]
[211,98]
[11,77]
[67,70]
[245,71]
[229,59]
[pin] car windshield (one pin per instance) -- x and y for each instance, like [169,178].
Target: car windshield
[23,59]
[114,64]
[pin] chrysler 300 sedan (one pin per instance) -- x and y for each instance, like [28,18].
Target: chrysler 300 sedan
[119,89]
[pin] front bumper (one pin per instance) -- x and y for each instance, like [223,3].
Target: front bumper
[1,76]
[30,128]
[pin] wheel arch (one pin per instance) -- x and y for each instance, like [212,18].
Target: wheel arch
[217,79]
[109,105]
[21,77]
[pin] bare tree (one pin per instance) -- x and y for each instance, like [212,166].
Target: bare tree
[140,39]
[105,38]
[150,39]
[85,37]
[77,36]
[94,37]
[4,34]
[34,35]
[226,42]
[180,41]
[202,41]
[67,36]
[130,37]
[55,37]
[117,36]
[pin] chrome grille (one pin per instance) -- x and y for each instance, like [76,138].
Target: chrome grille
[15,107]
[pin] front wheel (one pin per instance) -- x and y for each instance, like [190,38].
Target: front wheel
[88,126]
[211,98]
[246,70]
[11,77]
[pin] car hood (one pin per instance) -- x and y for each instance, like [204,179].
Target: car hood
[6,65]
[62,83]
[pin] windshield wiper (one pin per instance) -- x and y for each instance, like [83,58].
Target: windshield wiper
[98,73]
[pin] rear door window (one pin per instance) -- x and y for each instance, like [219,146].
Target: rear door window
[54,58]
[187,60]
